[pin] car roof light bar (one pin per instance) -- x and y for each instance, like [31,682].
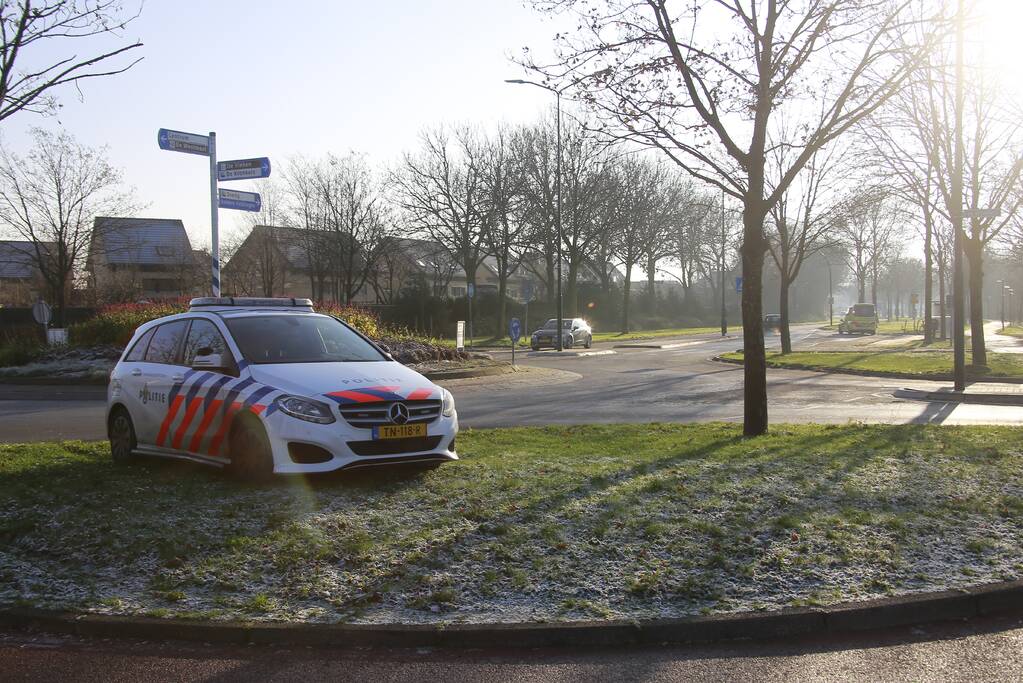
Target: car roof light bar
[249,302]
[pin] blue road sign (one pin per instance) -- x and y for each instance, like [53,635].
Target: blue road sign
[243,169]
[470,290]
[515,330]
[189,143]
[527,290]
[233,199]
[738,285]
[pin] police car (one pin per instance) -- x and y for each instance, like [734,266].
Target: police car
[269,385]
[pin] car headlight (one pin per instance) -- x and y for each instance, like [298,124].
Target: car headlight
[306,409]
[447,403]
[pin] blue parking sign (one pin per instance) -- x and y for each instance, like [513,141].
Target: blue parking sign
[515,330]
[738,285]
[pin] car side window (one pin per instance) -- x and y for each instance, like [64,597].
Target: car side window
[204,334]
[138,352]
[163,348]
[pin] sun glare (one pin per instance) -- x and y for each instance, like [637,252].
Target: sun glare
[995,40]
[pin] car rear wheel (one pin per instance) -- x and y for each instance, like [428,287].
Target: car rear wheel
[589,341]
[121,432]
[568,342]
[249,450]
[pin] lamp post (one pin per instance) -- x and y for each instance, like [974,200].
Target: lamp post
[724,310]
[557,183]
[831,297]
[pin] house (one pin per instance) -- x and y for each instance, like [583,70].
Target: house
[143,258]
[21,281]
[285,261]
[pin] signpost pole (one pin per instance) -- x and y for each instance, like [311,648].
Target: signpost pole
[214,216]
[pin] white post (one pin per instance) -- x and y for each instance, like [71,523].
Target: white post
[214,215]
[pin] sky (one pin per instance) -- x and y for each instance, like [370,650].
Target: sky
[340,76]
[271,81]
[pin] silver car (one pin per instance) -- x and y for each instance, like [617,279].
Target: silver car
[574,331]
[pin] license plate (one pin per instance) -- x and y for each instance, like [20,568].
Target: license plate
[400,431]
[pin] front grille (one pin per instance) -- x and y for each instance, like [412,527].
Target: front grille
[392,446]
[374,414]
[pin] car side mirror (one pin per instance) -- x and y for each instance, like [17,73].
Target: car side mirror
[213,361]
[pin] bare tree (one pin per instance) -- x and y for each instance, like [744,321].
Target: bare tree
[703,83]
[537,151]
[867,229]
[32,35]
[51,196]
[801,223]
[443,192]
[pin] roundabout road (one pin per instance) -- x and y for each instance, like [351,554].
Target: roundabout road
[675,384]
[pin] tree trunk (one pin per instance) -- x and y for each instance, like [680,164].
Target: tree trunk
[941,301]
[753,249]
[783,309]
[502,304]
[651,264]
[974,250]
[862,282]
[627,286]
[572,290]
[928,276]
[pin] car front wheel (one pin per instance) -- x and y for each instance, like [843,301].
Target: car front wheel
[589,341]
[249,449]
[122,436]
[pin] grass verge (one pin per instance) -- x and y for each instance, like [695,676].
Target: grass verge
[1012,331]
[918,363]
[897,326]
[628,521]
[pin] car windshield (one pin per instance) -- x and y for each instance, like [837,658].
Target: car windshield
[299,339]
[552,324]
[866,310]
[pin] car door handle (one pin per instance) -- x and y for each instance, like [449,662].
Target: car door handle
[177,378]
[136,372]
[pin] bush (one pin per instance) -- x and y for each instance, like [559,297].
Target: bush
[115,324]
[20,352]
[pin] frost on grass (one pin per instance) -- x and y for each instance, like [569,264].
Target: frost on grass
[532,525]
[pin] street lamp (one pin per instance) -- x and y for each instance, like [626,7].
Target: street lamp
[1002,289]
[831,297]
[958,305]
[557,182]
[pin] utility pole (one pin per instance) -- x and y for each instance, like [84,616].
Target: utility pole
[1001,288]
[958,307]
[831,297]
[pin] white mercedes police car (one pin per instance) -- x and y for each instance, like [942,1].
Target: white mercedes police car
[268,385]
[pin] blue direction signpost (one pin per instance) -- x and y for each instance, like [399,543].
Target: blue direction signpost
[238,169]
[738,285]
[243,169]
[515,332]
[242,201]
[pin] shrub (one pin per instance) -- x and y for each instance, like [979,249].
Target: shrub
[20,352]
[116,323]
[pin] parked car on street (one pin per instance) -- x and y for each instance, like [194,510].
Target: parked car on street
[860,318]
[268,385]
[574,331]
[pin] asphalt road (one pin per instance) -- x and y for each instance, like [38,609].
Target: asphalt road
[677,384]
[978,650]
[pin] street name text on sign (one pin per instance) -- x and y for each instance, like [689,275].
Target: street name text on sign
[236,199]
[243,169]
[189,143]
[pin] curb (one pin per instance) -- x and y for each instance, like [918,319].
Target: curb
[935,377]
[471,372]
[883,613]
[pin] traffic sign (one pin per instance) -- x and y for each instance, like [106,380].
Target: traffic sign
[189,143]
[234,199]
[243,169]
[470,290]
[738,285]
[981,213]
[515,330]
[527,290]
[41,312]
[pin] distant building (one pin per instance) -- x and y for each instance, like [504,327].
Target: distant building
[143,258]
[21,281]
